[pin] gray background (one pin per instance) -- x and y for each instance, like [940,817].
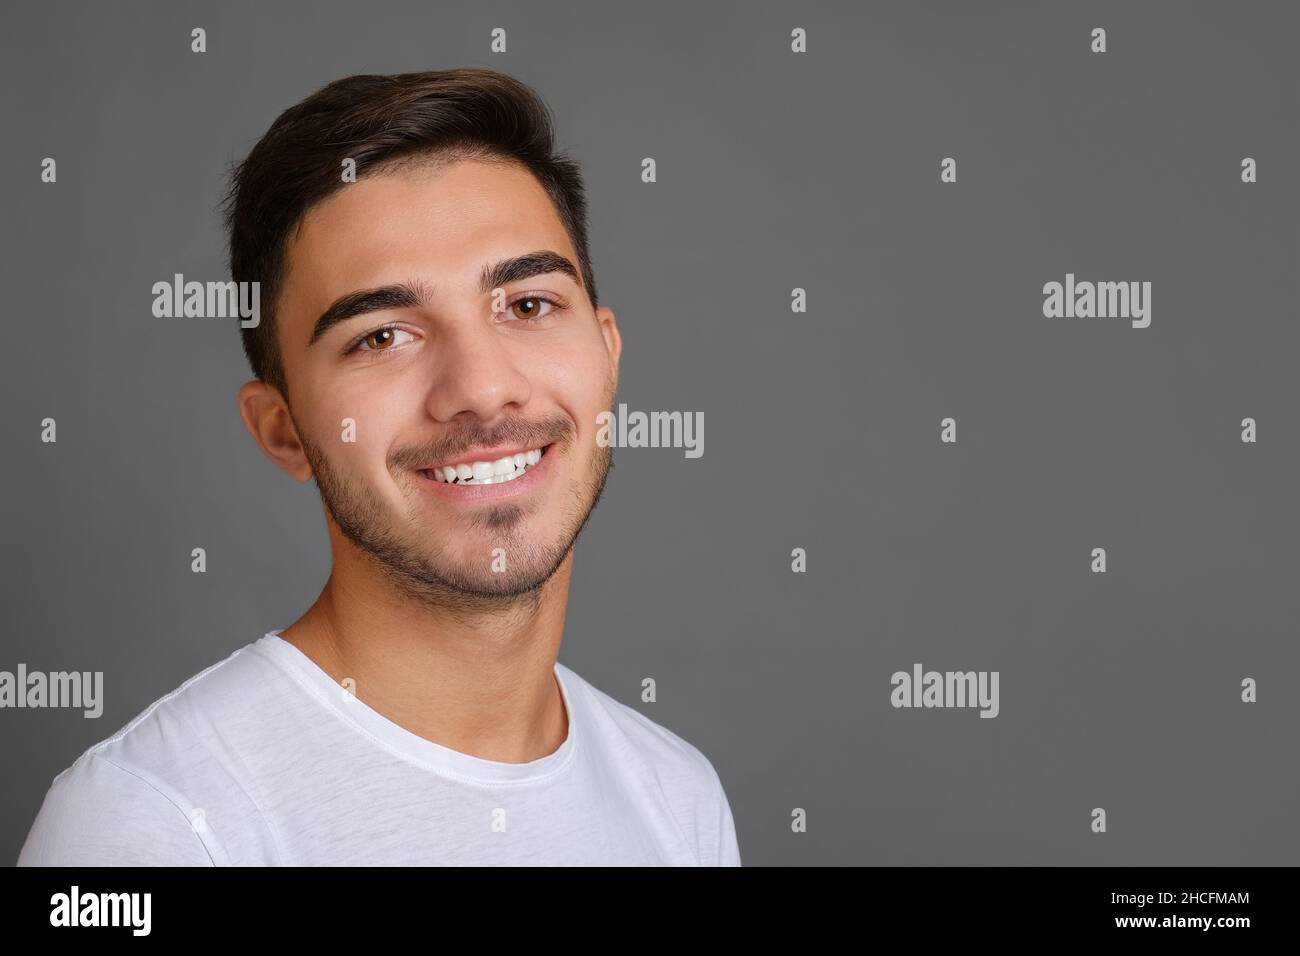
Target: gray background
[775,170]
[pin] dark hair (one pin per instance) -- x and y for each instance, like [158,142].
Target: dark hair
[382,122]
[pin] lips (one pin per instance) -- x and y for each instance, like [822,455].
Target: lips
[487,468]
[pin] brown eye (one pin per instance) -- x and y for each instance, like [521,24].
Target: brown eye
[379,339]
[383,339]
[529,307]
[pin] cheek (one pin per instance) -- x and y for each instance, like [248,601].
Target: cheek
[580,383]
[355,425]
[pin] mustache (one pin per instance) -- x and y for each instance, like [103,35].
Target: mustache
[546,431]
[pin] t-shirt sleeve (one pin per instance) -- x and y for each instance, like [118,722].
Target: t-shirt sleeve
[717,828]
[99,814]
[728,847]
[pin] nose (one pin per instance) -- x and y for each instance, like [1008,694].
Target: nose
[477,374]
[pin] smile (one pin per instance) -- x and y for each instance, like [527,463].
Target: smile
[488,472]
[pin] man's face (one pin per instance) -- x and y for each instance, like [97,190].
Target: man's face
[448,365]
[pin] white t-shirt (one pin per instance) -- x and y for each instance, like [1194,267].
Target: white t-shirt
[263,759]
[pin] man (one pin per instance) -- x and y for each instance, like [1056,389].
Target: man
[430,350]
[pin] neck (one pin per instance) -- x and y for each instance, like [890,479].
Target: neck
[478,681]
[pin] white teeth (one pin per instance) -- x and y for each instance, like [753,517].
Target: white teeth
[488,472]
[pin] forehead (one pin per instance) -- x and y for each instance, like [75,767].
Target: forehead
[436,224]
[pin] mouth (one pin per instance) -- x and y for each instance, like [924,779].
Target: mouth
[488,471]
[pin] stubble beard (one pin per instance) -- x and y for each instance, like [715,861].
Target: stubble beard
[427,574]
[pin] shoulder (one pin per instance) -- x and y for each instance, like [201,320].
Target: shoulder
[141,796]
[617,722]
[97,813]
[666,762]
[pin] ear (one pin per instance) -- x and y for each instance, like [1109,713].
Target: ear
[609,329]
[268,420]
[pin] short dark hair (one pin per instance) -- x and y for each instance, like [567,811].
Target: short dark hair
[382,122]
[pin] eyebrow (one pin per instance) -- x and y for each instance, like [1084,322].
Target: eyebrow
[410,295]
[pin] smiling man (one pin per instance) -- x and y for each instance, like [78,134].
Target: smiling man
[431,352]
